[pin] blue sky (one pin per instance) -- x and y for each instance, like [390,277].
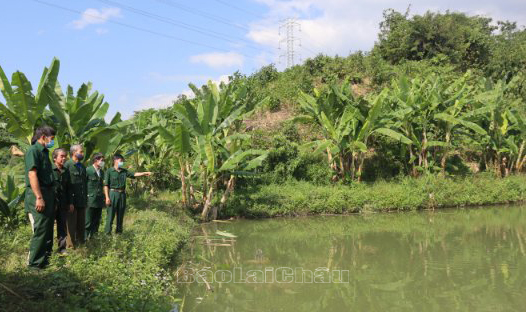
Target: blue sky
[142,54]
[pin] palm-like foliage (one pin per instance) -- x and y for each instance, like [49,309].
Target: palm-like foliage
[207,128]
[23,109]
[431,112]
[347,123]
[504,120]
[145,149]
[80,120]
[12,195]
[201,141]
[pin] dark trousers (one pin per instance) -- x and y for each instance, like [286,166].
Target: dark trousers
[93,216]
[117,208]
[41,244]
[76,223]
[61,217]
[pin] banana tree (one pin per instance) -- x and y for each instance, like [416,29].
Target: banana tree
[455,117]
[211,119]
[23,110]
[177,136]
[145,149]
[516,141]
[80,120]
[347,123]
[12,195]
[239,159]
[418,105]
[504,121]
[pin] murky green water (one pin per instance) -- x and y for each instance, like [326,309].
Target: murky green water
[465,259]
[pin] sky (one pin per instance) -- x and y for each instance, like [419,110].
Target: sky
[143,53]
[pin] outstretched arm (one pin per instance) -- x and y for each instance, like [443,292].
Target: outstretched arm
[141,174]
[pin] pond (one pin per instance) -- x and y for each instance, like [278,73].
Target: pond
[453,259]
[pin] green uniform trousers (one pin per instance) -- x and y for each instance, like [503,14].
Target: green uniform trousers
[42,223]
[61,217]
[93,215]
[117,207]
[76,222]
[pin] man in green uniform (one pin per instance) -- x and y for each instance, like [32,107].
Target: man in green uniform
[62,206]
[78,193]
[95,176]
[115,191]
[39,199]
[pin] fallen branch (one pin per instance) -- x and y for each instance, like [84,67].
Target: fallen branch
[11,291]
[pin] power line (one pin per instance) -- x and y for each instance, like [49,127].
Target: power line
[204,14]
[309,50]
[317,46]
[136,28]
[177,23]
[238,8]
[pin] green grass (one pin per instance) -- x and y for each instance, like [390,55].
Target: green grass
[302,198]
[134,271]
[128,272]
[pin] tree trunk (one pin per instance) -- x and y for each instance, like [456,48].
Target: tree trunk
[224,198]
[504,167]
[330,159]
[208,201]
[183,184]
[411,154]
[342,168]
[205,185]
[446,154]
[485,161]
[496,164]
[191,196]
[362,159]
[519,157]
[352,166]
[424,150]
[521,164]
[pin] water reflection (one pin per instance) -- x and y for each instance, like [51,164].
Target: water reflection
[434,261]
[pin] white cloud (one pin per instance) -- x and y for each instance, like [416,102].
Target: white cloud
[164,100]
[263,59]
[218,59]
[342,26]
[195,79]
[158,101]
[190,94]
[94,16]
[222,78]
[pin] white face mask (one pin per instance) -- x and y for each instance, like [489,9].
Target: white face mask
[101,164]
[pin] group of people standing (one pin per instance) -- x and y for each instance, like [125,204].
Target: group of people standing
[73,195]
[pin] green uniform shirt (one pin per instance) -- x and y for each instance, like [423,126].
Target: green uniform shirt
[95,193]
[117,179]
[62,198]
[37,157]
[78,186]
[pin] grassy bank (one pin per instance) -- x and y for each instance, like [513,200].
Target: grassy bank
[301,198]
[127,272]
[133,271]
